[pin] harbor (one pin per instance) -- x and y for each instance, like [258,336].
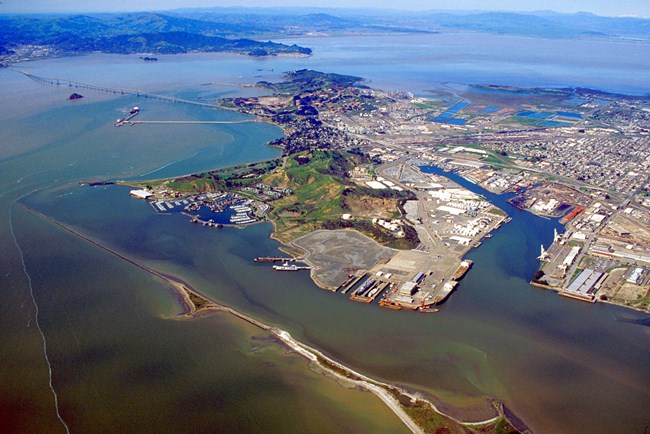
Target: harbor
[208,209]
[450,221]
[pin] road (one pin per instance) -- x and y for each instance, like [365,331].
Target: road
[591,238]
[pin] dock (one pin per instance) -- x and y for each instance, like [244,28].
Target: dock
[371,293]
[353,283]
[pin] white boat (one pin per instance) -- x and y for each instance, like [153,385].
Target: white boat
[286,267]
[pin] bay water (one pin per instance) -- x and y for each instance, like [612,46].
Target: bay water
[121,361]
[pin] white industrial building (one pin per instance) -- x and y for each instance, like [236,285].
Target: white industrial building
[141,194]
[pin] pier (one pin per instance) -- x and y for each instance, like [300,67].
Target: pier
[370,293]
[352,283]
[191,122]
[274,259]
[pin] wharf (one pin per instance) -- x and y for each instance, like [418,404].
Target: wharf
[587,297]
[350,278]
[190,122]
[373,292]
[353,283]
[134,112]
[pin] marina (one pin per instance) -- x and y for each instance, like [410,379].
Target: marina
[208,209]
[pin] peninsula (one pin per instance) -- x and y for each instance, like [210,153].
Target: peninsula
[351,157]
[403,232]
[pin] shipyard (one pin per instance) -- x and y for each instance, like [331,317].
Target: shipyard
[596,259]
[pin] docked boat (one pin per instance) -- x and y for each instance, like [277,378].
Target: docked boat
[289,267]
[463,268]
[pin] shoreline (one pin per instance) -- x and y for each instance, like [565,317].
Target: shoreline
[595,301]
[388,393]
[21,59]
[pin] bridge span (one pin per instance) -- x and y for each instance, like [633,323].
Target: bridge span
[120,91]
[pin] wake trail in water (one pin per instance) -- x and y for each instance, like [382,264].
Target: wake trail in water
[21,186]
[167,165]
[36,311]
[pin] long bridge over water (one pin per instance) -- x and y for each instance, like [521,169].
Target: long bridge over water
[120,91]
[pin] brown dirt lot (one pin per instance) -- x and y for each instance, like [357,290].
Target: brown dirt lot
[332,252]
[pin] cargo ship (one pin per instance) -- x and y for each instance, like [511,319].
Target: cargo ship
[444,292]
[463,268]
[364,287]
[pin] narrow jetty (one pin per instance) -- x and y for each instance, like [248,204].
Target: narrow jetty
[274,259]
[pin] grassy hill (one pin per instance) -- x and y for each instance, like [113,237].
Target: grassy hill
[308,80]
[322,192]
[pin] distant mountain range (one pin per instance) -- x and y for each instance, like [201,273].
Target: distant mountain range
[129,33]
[543,23]
[548,24]
[234,29]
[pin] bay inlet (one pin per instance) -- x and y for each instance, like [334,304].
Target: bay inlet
[121,362]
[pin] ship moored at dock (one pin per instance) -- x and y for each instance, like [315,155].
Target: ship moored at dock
[290,267]
[463,268]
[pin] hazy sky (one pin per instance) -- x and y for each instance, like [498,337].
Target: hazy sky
[600,7]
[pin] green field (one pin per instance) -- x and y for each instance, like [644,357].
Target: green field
[321,192]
